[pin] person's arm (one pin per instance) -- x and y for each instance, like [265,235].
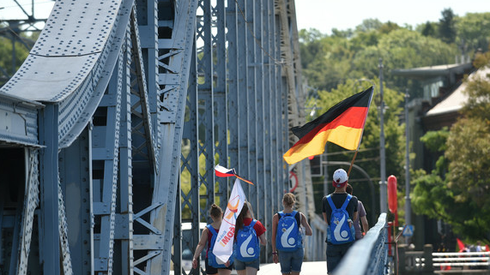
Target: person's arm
[263,240]
[354,217]
[365,224]
[275,221]
[325,217]
[200,247]
[305,224]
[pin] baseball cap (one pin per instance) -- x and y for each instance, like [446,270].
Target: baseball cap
[339,178]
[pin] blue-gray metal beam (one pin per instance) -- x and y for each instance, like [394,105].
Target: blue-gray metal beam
[49,190]
[244,139]
[205,108]
[76,179]
[221,99]
[174,80]
[251,106]
[190,169]
[124,257]
[234,115]
[106,153]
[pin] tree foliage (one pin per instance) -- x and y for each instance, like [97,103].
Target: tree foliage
[447,29]
[458,190]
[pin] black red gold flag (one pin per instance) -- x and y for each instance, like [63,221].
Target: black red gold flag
[343,124]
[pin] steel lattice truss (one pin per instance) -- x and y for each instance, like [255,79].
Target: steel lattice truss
[118,117]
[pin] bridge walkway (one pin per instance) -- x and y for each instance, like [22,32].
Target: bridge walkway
[308,268]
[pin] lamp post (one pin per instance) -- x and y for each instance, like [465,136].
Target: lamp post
[383,186]
[408,207]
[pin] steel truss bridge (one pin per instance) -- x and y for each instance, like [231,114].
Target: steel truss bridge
[111,128]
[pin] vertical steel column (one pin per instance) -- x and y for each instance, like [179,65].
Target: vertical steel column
[48,128]
[124,259]
[205,107]
[268,100]
[176,44]
[31,199]
[106,154]
[221,99]
[190,166]
[243,108]
[76,179]
[234,115]
[251,92]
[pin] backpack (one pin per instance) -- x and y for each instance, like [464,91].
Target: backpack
[288,235]
[341,229]
[211,257]
[247,247]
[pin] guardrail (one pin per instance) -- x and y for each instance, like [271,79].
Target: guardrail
[315,245]
[428,262]
[368,255]
[461,259]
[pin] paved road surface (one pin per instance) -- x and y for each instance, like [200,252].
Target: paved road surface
[308,268]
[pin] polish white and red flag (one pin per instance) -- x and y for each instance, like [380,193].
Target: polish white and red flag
[221,171]
[224,172]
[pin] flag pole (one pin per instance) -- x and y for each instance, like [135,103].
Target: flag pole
[352,162]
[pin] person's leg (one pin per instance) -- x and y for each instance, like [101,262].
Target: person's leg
[240,267]
[285,262]
[224,271]
[251,270]
[297,261]
[333,257]
[253,267]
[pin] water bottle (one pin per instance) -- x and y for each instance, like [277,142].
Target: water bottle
[352,228]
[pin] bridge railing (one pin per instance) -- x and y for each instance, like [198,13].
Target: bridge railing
[368,255]
[428,262]
[315,245]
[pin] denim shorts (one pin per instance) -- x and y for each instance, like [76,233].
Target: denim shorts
[239,265]
[291,261]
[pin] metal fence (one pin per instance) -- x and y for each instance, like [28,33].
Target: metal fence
[368,255]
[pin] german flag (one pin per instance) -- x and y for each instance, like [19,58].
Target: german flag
[342,124]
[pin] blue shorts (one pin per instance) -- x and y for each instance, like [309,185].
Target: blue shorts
[291,261]
[239,265]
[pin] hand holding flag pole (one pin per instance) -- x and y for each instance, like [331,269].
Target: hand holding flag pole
[343,124]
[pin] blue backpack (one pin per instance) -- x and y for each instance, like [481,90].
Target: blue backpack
[247,246]
[341,228]
[288,235]
[211,257]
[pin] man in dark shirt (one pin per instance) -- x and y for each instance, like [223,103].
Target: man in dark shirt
[335,252]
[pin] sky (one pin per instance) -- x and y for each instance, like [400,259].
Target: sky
[325,15]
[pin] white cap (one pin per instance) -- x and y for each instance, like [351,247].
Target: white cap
[339,178]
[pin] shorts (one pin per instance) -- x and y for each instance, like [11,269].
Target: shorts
[239,265]
[214,270]
[291,261]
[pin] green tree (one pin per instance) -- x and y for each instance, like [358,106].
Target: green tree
[10,62]
[428,29]
[457,190]
[473,32]
[447,29]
